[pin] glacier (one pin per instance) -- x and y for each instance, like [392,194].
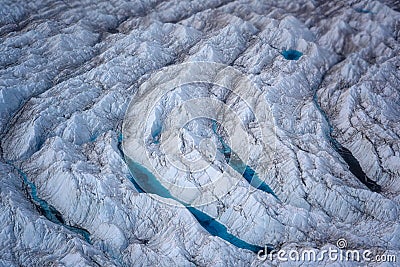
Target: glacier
[326,78]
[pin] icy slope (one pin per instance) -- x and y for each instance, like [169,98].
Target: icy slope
[328,70]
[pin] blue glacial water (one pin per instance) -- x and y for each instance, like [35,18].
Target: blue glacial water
[291,54]
[146,180]
[49,211]
[93,137]
[148,183]
[130,177]
[352,162]
[217,229]
[239,166]
[156,130]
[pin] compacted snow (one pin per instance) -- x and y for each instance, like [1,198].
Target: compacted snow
[309,153]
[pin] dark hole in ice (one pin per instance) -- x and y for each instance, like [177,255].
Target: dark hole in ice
[365,11]
[57,214]
[291,54]
[355,167]
[113,30]
[352,162]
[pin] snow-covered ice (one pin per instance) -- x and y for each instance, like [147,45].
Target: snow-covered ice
[327,76]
